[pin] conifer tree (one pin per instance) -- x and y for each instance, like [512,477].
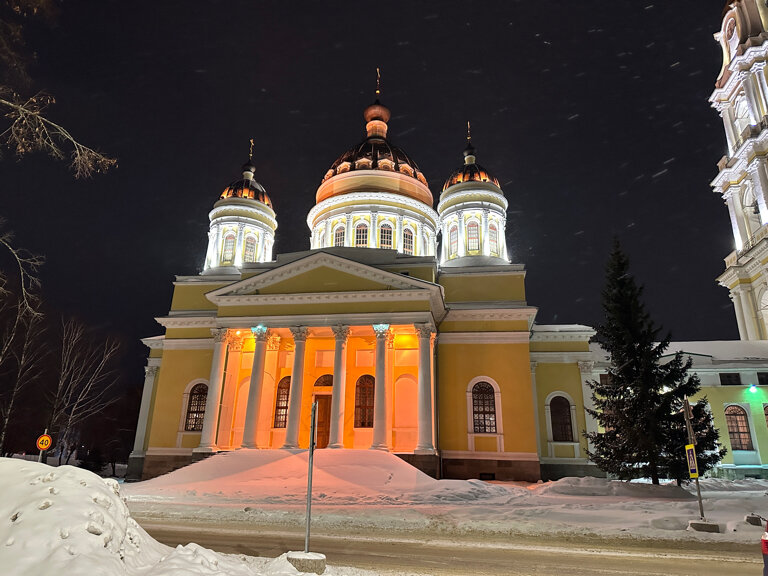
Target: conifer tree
[638,404]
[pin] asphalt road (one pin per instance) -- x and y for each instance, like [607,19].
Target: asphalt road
[516,556]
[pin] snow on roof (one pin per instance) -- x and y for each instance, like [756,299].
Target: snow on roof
[561,328]
[718,350]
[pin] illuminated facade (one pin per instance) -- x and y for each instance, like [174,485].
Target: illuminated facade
[431,353]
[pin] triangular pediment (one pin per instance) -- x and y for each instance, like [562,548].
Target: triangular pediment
[323,273]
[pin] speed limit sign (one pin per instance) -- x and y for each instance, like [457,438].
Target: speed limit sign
[44,442]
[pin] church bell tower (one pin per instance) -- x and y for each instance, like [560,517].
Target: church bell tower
[741,98]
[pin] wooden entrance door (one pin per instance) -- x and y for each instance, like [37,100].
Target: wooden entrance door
[323,419]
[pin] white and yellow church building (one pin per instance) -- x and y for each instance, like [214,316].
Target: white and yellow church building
[407,321]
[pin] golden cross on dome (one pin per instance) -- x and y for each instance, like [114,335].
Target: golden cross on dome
[250,150]
[378,81]
[469,132]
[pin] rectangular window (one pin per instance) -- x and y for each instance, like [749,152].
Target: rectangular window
[730,379]
[338,237]
[386,237]
[473,237]
[361,236]
[454,234]
[762,378]
[407,242]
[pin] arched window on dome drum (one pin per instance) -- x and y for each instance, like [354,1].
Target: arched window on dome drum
[228,253]
[473,237]
[250,250]
[385,237]
[364,401]
[361,236]
[738,428]
[338,236]
[493,239]
[560,414]
[196,408]
[454,244]
[281,402]
[484,408]
[407,242]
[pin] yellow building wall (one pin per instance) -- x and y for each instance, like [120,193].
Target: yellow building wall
[382,307]
[178,369]
[557,377]
[482,288]
[509,366]
[322,279]
[192,296]
[560,346]
[719,397]
[485,326]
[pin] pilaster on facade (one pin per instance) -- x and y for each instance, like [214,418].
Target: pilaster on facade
[586,370]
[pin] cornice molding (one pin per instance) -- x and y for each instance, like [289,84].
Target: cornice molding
[525,313]
[467,455]
[322,297]
[186,322]
[483,337]
[561,357]
[188,344]
[571,336]
[375,199]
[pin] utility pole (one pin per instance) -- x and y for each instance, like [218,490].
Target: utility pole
[690,452]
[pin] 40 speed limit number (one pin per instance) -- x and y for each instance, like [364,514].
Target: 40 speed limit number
[44,442]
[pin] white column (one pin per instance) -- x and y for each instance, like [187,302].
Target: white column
[260,336]
[739,315]
[348,239]
[327,239]
[462,249]
[420,248]
[748,312]
[150,372]
[399,233]
[336,434]
[535,395]
[730,135]
[380,389]
[444,245]
[239,245]
[752,99]
[760,185]
[484,232]
[300,334]
[373,230]
[586,369]
[425,443]
[503,240]
[737,225]
[211,418]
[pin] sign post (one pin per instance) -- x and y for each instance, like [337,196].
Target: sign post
[690,453]
[309,474]
[44,442]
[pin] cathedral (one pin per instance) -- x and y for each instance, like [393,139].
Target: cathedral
[408,324]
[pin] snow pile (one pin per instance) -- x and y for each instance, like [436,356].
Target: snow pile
[603,487]
[339,477]
[69,521]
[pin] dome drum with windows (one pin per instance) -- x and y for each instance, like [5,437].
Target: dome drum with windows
[243,225]
[375,196]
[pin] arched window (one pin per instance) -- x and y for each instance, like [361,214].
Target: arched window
[228,254]
[324,380]
[385,236]
[560,414]
[361,236]
[738,428]
[765,410]
[250,249]
[364,401]
[338,236]
[483,408]
[196,408]
[493,239]
[281,403]
[454,245]
[407,242]
[473,237]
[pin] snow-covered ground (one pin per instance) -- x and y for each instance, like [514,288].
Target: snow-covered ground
[67,520]
[356,489]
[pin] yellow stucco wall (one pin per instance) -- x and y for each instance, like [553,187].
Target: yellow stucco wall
[719,397]
[381,306]
[485,326]
[322,279]
[508,365]
[171,333]
[556,377]
[483,288]
[178,369]
[192,296]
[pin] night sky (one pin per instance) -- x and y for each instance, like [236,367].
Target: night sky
[593,116]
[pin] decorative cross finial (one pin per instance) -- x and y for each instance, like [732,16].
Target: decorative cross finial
[378,82]
[250,150]
[469,132]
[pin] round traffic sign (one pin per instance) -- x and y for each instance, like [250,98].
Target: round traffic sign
[44,442]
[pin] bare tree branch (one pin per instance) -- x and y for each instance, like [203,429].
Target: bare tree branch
[30,131]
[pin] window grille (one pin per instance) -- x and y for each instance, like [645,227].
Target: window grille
[228,254]
[730,379]
[560,418]
[281,403]
[484,408]
[473,237]
[738,428]
[407,242]
[196,408]
[361,236]
[386,237]
[338,236]
[454,234]
[493,240]
[364,393]
[250,249]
